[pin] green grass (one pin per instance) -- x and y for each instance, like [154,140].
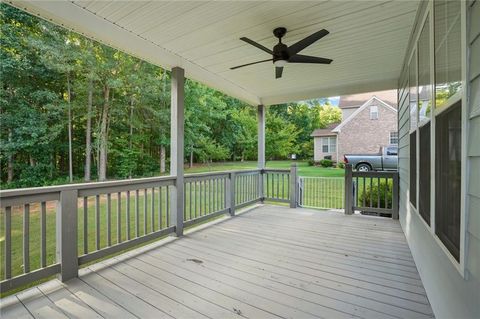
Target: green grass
[303,168]
[210,195]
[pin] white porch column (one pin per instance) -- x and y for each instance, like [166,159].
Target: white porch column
[261,136]
[261,150]
[176,147]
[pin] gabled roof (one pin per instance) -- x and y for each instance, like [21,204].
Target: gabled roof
[360,109]
[357,100]
[325,131]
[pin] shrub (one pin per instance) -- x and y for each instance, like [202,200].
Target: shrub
[311,162]
[371,194]
[326,163]
[340,165]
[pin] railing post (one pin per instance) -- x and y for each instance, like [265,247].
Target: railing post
[348,190]
[261,187]
[293,185]
[231,194]
[66,229]
[395,197]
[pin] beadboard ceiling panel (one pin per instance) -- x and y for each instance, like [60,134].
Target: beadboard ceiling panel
[367,41]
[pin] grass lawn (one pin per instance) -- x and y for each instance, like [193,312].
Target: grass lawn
[303,168]
[211,196]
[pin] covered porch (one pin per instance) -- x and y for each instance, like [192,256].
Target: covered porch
[266,262]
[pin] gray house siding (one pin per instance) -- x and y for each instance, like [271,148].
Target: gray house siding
[473,151]
[450,294]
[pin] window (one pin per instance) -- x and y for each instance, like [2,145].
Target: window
[413,168]
[448,71]
[424,81]
[392,151]
[448,167]
[424,173]
[329,144]
[413,91]
[373,112]
[394,137]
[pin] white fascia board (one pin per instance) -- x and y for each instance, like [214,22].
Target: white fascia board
[350,88]
[71,16]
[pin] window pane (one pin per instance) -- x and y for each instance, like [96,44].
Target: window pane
[333,144]
[413,92]
[448,167]
[447,50]
[413,169]
[393,137]
[424,173]
[374,112]
[424,83]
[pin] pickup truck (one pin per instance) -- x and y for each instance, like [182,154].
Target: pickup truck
[385,160]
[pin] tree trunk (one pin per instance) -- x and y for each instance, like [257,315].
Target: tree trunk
[102,161]
[162,159]
[190,165]
[70,154]
[88,134]
[130,141]
[10,162]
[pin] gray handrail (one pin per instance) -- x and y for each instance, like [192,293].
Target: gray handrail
[123,205]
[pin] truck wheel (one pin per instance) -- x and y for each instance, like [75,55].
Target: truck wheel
[363,168]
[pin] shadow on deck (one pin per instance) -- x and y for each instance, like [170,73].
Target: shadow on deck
[269,262]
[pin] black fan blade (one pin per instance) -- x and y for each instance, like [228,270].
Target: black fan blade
[298,58]
[257,45]
[241,66]
[278,72]
[302,44]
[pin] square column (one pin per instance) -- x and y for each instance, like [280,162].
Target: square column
[261,136]
[177,119]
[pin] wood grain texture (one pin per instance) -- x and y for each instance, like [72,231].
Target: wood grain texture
[272,262]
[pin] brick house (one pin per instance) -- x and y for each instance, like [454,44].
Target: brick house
[369,121]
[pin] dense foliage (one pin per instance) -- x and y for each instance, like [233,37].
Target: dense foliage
[73,109]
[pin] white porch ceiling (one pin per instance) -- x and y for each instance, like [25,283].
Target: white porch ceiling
[367,41]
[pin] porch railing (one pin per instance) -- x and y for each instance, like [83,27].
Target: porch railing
[54,230]
[371,192]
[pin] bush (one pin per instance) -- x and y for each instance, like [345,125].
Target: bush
[340,165]
[326,163]
[373,194]
[311,162]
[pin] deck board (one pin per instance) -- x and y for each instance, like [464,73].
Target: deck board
[271,262]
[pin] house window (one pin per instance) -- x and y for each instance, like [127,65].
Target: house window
[424,173]
[374,112]
[412,74]
[448,168]
[448,70]
[424,79]
[413,168]
[394,137]
[329,144]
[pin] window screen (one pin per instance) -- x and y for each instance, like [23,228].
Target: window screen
[424,174]
[448,167]
[413,169]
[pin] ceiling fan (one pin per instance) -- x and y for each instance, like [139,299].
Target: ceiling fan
[283,54]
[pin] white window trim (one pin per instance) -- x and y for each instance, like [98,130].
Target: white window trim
[329,143]
[460,265]
[396,137]
[374,110]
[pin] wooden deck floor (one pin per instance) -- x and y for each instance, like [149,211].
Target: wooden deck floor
[271,262]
